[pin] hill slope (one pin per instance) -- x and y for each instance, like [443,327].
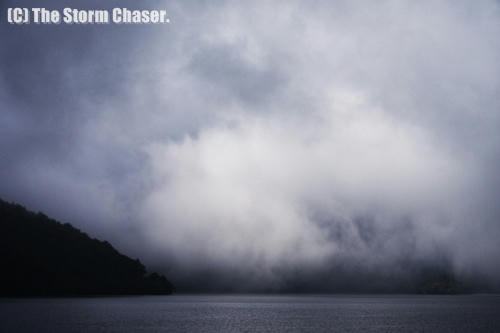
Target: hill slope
[42,257]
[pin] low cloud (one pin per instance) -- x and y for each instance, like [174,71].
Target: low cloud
[265,146]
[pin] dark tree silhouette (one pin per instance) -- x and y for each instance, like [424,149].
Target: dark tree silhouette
[42,257]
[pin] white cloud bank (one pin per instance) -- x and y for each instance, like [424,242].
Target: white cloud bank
[274,134]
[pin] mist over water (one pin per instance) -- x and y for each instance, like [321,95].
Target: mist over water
[334,146]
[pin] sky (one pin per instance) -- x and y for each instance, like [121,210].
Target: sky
[265,146]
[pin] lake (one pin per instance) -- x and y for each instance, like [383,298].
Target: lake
[261,313]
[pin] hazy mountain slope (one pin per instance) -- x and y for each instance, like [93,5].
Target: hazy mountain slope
[41,256]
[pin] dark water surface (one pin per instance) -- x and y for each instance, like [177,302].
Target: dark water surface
[236,313]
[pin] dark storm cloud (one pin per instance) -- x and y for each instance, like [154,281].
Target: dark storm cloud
[55,79]
[259,146]
[219,65]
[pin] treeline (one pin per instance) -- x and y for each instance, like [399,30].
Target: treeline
[42,257]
